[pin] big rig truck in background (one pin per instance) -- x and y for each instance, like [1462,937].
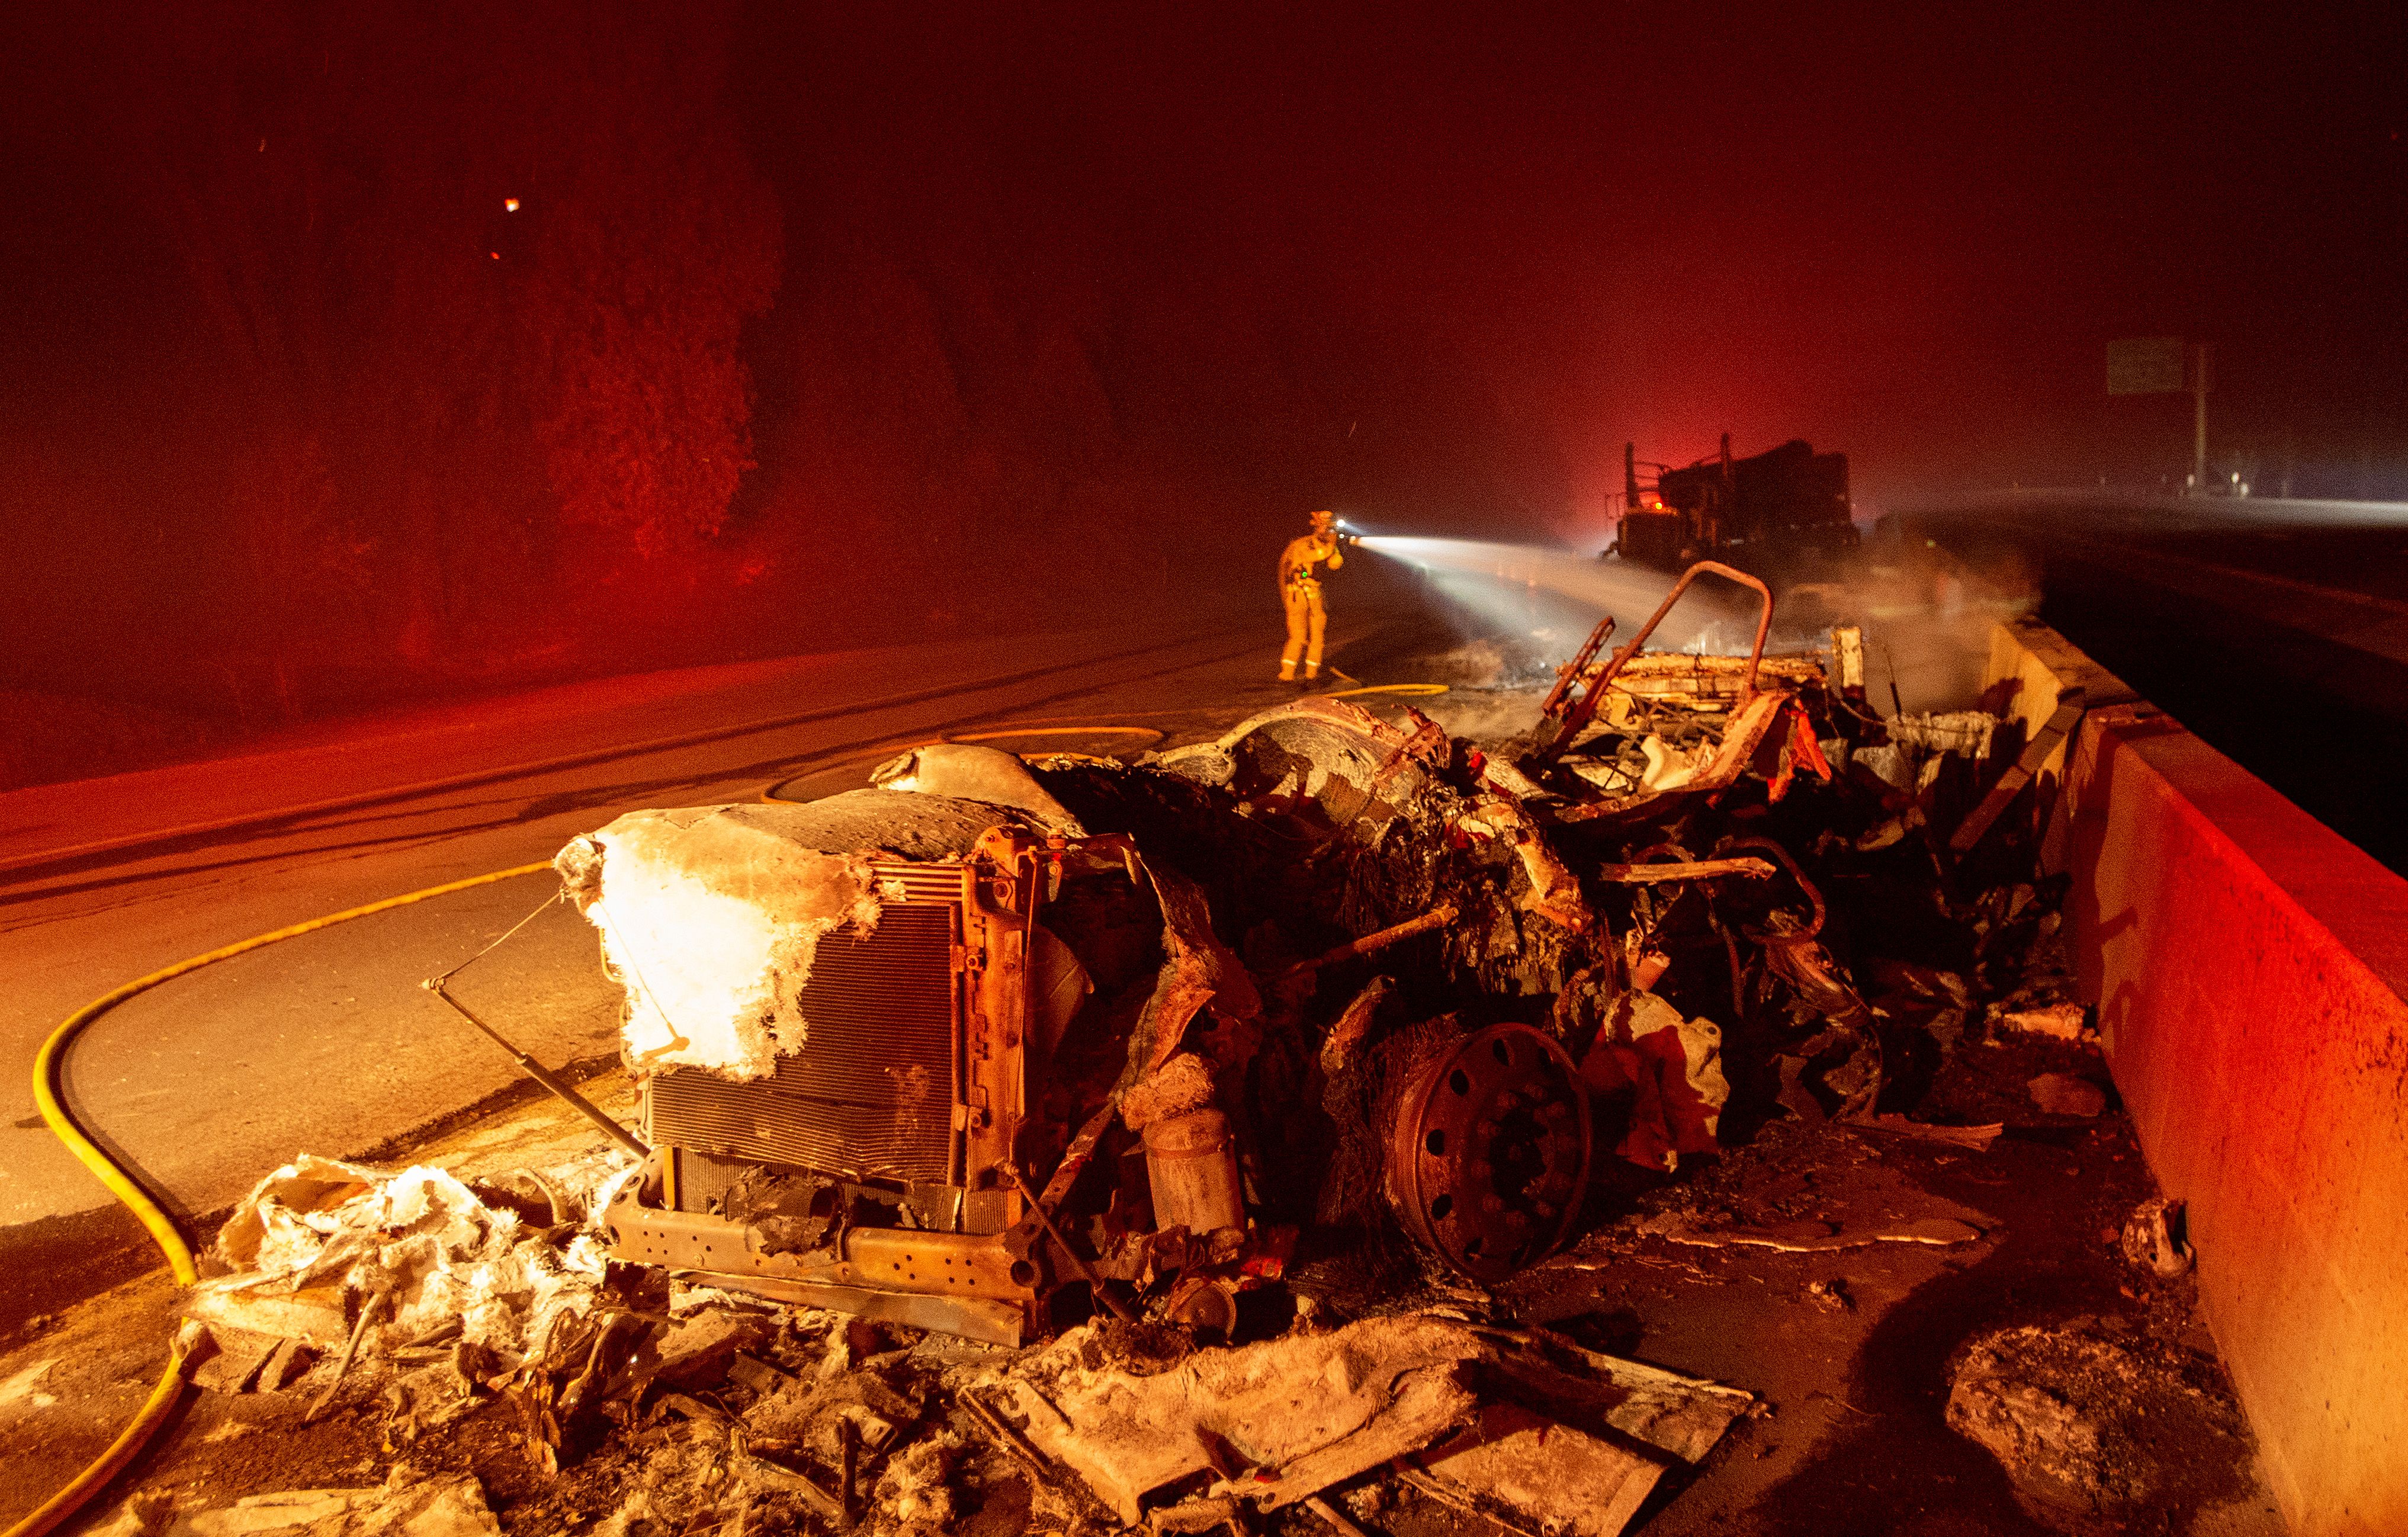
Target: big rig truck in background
[1781,507]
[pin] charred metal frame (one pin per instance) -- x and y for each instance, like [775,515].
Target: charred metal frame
[981,1271]
[1552,744]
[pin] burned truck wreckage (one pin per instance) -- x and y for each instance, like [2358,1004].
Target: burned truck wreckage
[1174,1136]
[989,1046]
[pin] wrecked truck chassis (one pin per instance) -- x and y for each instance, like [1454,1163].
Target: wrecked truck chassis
[1486,1169]
[924,1212]
[962,1245]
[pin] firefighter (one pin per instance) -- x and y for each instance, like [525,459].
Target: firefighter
[1300,594]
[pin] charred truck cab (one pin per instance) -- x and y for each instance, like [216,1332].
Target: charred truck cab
[863,1175]
[1776,508]
[875,1173]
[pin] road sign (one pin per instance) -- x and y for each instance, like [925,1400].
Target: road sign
[2146,365]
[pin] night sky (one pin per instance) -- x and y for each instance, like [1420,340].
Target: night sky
[1909,235]
[803,298]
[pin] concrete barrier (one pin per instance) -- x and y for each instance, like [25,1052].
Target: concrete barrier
[2249,967]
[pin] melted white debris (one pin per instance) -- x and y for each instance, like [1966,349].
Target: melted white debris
[709,919]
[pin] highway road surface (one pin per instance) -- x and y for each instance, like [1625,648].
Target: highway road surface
[2276,630]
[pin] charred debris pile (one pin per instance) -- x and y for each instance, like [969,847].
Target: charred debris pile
[1137,1144]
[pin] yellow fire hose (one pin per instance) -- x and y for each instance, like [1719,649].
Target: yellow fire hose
[72,1497]
[1412,690]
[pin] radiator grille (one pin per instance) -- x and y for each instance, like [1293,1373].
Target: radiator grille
[703,1179]
[918,883]
[869,1095]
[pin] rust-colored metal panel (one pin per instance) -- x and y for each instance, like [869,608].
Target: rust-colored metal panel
[884,1258]
[964,1264]
[972,1317]
[871,1093]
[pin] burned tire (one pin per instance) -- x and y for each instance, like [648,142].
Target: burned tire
[1488,1157]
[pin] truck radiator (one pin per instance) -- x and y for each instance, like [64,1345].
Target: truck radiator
[870,1094]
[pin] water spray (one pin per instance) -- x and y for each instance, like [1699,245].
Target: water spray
[1537,591]
[1540,601]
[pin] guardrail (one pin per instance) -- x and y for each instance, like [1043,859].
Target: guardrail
[2251,972]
